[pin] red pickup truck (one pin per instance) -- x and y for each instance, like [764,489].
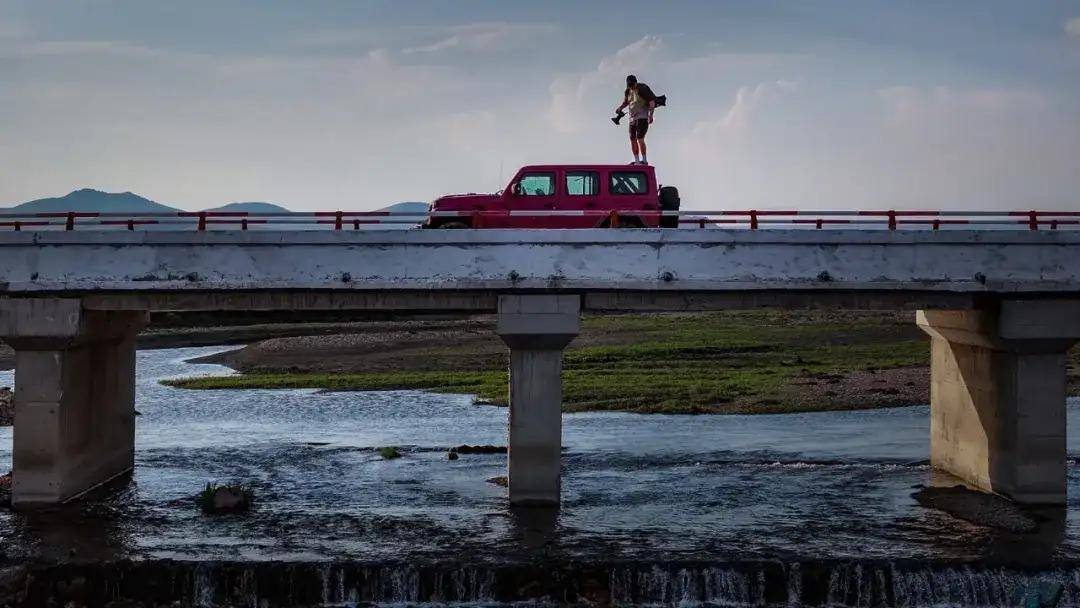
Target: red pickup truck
[564,196]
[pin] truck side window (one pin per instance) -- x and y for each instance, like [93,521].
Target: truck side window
[582,183]
[629,182]
[538,184]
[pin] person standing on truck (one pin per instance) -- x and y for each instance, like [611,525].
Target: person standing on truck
[640,101]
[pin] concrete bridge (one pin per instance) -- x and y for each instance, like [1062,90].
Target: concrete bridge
[1003,307]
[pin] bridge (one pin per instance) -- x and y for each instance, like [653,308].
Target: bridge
[1002,308]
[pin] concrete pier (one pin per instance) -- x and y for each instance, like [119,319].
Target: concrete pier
[998,388]
[74,399]
[536,328]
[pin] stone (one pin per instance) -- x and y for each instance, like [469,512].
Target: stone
[5,490]
[225,499]
[7,406]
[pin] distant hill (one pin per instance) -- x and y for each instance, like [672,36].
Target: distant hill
[88,200]
[406,207]
[252,207]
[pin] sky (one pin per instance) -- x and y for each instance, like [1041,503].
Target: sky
[323,105]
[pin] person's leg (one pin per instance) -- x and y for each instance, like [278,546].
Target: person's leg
[644,154]
[634,148]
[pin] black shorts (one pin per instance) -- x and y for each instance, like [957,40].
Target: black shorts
[638,128]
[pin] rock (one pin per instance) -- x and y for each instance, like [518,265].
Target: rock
[225,499]
[5,490]
[978,508]
[7,406]
[228,499]
[500,481]
[479,449]
[451,455]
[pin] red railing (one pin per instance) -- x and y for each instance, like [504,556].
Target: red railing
[751,219]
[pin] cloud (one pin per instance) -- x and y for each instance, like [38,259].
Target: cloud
[485,37]
[779,145]
[576,99]
[1072,27]
[86,47]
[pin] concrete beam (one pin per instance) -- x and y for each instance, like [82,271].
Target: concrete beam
[998,388]
[546,261]
[74,398]
[536,328]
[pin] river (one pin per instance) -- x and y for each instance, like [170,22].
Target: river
[636,488]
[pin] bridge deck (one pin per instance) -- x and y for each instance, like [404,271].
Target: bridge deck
[466,269]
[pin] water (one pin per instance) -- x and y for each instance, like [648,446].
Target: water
[637,490]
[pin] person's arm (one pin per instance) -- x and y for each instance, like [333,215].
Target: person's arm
[652,108]
[625,102]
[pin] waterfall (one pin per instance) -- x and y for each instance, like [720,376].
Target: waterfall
[807,583]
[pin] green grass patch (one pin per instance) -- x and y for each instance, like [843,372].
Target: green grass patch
[664,363]
[390,452]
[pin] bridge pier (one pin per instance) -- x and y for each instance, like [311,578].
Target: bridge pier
[536,328]
[997,396]
[74,398]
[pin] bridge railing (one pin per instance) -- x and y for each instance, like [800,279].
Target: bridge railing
[354,220]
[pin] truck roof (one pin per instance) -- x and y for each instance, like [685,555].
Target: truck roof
[586,167]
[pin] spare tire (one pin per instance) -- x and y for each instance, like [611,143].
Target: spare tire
[669,201]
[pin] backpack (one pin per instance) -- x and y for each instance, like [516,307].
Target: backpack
[647,94]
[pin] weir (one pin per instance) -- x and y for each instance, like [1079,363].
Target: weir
[1002,309]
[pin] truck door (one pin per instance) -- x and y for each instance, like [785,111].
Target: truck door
[581,193]
[629,191]
[531,191]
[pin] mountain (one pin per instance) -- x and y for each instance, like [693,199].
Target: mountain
[251,207]
[88,200]
[406,207]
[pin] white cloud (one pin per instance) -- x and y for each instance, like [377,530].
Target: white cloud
[575,100]
[86,47]
[1072,26]
[779,146]
[485,37]
[481,37]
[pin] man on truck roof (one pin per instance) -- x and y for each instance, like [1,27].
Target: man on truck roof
[641,102]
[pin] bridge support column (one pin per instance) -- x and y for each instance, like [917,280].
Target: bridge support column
[997,396]
[74,397]
[536,328]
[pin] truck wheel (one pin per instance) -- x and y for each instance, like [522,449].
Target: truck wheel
[669,201]
[454,225]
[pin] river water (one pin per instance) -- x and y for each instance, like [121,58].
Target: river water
[636,488]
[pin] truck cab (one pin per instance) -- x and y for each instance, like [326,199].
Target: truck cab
[564,196]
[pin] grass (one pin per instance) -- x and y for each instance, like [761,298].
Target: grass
[389,452]
[730,361]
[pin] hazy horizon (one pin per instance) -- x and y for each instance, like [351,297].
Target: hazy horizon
[356,105]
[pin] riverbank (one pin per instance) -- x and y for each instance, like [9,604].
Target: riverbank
[177,330]
[726,362]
